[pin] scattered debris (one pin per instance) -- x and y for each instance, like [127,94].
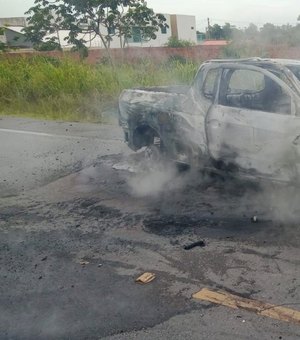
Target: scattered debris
[254,219]
[195,244]
[145,278]
[124,166]
[83,262]
[258,307]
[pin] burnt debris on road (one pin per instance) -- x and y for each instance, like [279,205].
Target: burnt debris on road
[72,246]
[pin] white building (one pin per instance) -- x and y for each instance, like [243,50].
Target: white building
[184,27]
[162,37]
[179,26]
[14,36]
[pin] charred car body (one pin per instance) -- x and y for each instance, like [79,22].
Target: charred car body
[239,115]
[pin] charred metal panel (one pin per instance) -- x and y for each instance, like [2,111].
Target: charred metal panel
[253,131]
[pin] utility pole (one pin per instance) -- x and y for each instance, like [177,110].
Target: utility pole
[208,29]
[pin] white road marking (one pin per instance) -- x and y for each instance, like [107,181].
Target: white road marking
[42,134]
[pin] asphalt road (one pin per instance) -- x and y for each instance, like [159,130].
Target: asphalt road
[34,152]
[81,217]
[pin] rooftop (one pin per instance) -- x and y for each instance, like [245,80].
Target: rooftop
[215,43]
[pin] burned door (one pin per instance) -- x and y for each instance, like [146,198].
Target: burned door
[276,128]
[252,125]
[191,121]
[228,125]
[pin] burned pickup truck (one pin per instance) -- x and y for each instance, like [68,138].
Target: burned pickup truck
[238,115]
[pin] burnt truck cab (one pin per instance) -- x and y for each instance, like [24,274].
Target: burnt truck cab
[238,114]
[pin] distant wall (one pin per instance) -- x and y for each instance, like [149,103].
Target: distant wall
[132,54]
[158,54]
[284,52]
[14,21]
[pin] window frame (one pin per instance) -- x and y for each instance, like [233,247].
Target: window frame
[163,30]
[278,81]
[233,90]
[111,30]
[215,85]
[136,35]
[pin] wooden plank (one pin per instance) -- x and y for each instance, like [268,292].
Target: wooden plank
[261,308]
[145,278]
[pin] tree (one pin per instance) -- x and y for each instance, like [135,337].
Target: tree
[215,32]
[272,34]
[251,32]
[227,31]
[87,19]
[3,46]
[41,24]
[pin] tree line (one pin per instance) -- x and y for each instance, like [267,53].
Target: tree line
[267,34]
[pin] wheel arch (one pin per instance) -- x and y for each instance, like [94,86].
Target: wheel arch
[144,135]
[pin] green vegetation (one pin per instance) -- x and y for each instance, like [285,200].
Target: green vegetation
[177,43]
[86,19]
[268,34]
[216,32]
[65,89]
[3,46]
[245,49]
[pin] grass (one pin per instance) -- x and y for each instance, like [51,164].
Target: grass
[64,89]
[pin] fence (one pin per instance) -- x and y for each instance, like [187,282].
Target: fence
[132,54]
[158,54]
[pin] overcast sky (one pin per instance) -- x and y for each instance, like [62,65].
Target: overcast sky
[237,12]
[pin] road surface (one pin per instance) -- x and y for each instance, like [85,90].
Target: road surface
[34,152]
[81,217]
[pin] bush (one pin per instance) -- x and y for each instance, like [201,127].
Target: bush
[3,47]
[244,50]
[176,59]
[65,89]
[175,42]
[48,46]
